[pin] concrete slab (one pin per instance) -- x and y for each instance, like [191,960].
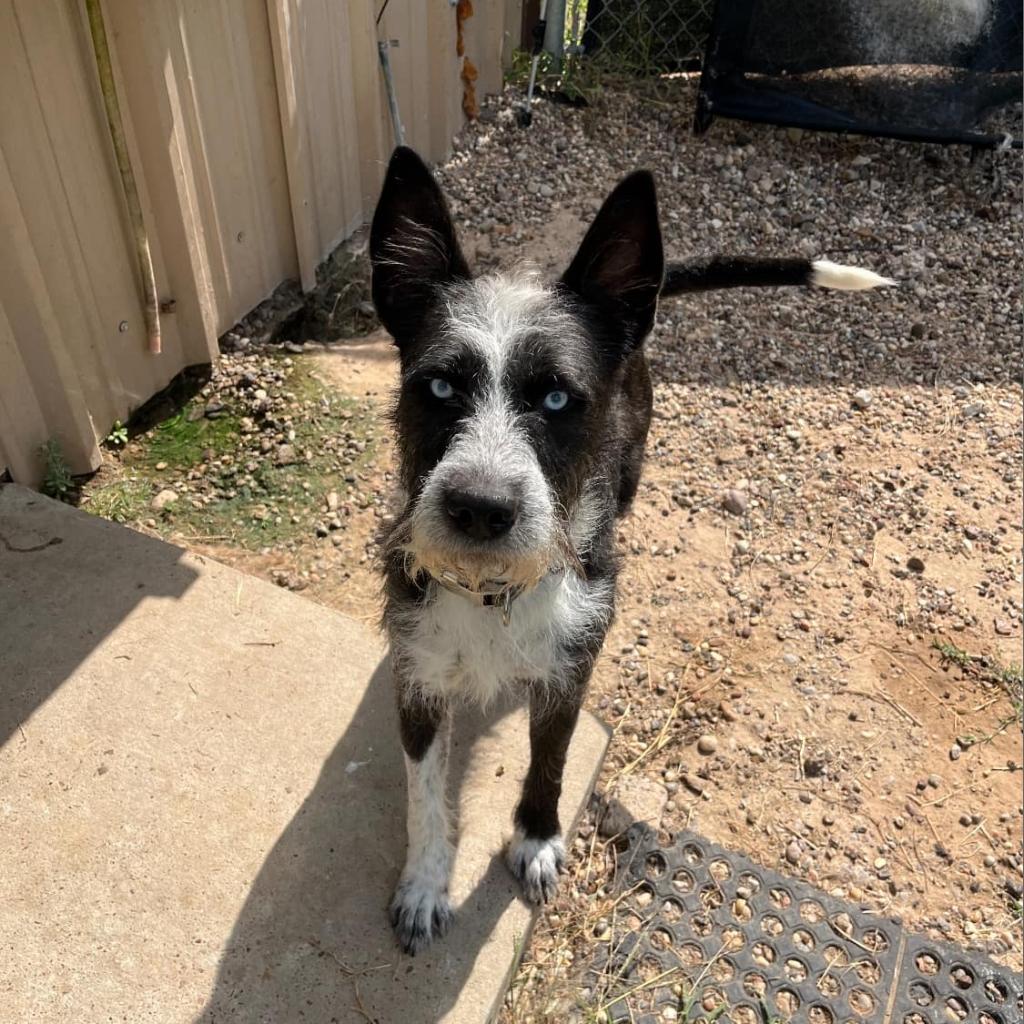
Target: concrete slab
[201,798]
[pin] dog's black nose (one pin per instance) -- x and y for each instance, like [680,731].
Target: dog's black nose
[478,516]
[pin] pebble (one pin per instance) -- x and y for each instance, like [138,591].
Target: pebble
[707,744]
[863,398]
[285,455]
[694,784]
[915,564]
[163,500]
[793,852]
[634,798]
[735,502]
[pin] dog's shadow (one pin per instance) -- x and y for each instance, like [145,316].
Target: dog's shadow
[312,942]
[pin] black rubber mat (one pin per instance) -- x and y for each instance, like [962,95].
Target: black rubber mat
[701,934]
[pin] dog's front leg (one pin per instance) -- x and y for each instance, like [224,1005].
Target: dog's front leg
[420,908]
[537,852]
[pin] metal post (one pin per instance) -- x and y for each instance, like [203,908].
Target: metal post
[385,62]
[554,34]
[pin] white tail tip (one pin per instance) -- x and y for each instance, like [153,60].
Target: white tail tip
[826,274]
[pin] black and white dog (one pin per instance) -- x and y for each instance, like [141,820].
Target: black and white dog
[521,419]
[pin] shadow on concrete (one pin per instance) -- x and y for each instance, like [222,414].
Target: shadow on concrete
[312,941]
[67,581]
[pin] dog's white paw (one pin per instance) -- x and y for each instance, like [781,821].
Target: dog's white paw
[536,863]
[420,912]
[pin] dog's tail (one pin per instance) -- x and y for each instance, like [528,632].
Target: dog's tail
[702,275]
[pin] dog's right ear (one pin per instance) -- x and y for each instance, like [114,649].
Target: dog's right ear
[413,249]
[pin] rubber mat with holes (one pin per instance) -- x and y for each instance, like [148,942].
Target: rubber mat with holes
[701,934]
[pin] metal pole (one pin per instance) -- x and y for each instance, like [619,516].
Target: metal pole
[396,121]
[525,113]
[554,33]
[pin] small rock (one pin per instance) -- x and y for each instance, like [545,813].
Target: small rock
[863,398]
[1003,627]
[285,455]
[934,781]
[634,798]
[160,467]
[163,500]
[954,752]
[214,410]
[707,744]
[693,784]
[793,852]
[915,564]
[734,502]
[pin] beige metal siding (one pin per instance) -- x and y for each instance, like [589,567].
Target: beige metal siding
[67,281]
[259,131]
[216,57]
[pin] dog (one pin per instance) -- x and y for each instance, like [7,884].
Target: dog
[521,418]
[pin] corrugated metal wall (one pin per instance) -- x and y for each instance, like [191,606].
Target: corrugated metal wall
[259,132]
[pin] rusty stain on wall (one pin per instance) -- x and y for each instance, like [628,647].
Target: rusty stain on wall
[470,106]
[463,11]
[469,75]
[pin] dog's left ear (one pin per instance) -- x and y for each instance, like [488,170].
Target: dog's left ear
[619,265]
[413,248]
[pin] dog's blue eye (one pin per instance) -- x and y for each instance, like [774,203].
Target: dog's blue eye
[556,401]
[440,388]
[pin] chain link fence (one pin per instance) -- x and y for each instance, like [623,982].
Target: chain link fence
[638,37]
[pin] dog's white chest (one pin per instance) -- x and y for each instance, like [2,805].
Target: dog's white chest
[458,649]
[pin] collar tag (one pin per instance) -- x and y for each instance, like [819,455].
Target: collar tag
[490,594]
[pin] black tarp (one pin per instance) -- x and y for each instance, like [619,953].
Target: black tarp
[933,70]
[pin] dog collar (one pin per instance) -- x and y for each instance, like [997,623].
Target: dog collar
[489,594]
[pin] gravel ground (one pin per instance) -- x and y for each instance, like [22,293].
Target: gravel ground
[821,599]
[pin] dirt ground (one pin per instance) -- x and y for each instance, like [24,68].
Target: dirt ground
[816,655]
